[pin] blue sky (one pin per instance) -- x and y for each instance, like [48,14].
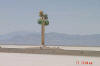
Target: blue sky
[65,16]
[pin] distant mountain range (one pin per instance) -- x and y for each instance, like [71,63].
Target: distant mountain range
[29,38]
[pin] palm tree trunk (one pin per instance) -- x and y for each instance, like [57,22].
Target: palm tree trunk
[42,35]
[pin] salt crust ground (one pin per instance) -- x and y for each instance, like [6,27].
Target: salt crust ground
[62,47]
[20,59]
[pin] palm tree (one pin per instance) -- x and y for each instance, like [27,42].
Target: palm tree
[43,21]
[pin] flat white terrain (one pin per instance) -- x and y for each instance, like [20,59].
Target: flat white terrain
[18,59]
[62,47]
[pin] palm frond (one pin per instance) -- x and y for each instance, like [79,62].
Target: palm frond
[46,22]
[45,16]
[41,13]
[40,21]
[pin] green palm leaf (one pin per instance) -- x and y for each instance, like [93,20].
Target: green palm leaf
[40,21]
[46,22]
